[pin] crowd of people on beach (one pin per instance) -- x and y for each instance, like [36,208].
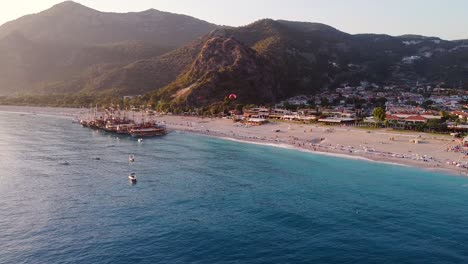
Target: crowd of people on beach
[320,145]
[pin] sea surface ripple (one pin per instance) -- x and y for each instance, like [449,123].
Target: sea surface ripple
[205,200]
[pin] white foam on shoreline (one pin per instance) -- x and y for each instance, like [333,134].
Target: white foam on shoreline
[331,154]
[290,147]
[322,153]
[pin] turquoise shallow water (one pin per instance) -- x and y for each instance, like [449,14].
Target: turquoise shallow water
[206,200]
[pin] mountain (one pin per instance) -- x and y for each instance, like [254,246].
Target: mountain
[49,51]
[140,76]
[286,58]
[181,60]
[262,62]
[224,65]
[73,23]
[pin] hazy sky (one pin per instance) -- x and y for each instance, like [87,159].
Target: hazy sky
[443,18]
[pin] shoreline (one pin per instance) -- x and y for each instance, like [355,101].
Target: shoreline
[433,164]
[342,142]
[396,162]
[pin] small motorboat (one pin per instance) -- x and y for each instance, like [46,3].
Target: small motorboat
[64,163]
[140,140]
[132,177]
[131,158]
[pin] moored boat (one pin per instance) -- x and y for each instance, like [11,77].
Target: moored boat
[112,128]
[84,123]
[124,128]
[151,131]
[111,122]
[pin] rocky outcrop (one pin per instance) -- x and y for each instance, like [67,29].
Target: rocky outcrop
[225,66]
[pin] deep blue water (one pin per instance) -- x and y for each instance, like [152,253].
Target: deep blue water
[206,200]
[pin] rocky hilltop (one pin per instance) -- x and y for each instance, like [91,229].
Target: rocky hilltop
[210,77]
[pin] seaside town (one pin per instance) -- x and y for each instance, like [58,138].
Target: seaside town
[418,107]
[421,108]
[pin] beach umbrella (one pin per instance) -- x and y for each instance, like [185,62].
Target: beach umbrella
[232,96]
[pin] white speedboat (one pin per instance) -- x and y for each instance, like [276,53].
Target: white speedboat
[132,177]
[131,158]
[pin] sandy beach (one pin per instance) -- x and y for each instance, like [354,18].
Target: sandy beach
[433,152]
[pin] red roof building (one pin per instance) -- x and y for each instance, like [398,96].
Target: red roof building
[416,119]
[392,117]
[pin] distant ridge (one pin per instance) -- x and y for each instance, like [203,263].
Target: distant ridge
[290,58]
[70,22]
[71,49]
[54,46]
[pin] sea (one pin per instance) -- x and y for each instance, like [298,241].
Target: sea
[65,198]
